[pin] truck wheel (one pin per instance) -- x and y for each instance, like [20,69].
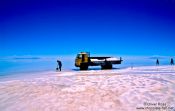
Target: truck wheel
[107,65]
[83,66]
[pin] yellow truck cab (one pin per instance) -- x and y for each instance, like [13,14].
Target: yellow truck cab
[81,58]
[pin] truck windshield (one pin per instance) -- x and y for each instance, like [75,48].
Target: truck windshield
[79,56]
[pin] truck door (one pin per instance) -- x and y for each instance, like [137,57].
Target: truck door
[83,57]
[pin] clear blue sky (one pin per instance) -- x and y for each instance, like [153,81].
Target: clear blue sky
[64,27]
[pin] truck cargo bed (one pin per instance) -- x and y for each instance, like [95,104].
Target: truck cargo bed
[101,60]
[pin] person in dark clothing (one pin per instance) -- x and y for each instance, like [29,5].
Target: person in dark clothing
[59,65]
[157,62]
[172,61]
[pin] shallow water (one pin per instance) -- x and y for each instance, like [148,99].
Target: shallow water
[11,66]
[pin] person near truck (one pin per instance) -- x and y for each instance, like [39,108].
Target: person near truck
[59,65]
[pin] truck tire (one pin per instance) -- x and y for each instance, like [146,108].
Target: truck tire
[106,65]
[83,66]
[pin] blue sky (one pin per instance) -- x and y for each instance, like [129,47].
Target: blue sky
[66,27]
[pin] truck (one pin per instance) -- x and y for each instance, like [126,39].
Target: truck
[83,60]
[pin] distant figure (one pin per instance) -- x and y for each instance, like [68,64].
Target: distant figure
[157,62]
[59,65]
[172,61]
